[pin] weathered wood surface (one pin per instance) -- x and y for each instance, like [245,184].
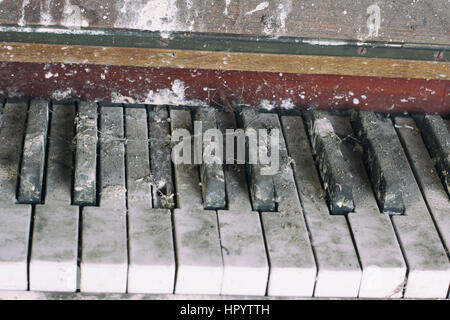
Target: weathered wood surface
[399,21]
[216,60]
[187,87]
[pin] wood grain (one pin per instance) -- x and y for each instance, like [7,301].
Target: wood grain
[402,21]
[212,60]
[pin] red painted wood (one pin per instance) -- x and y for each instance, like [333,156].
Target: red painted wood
[103,83]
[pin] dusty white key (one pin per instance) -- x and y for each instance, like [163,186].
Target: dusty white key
[426,175]
[292,266]
[104,250]
[151,253]
[339,273]
[427,261]
[246,268]
[383,266]
[54,252]
[15,219]
[198,251]
[104,235]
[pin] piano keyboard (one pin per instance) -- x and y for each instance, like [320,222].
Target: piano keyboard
[91,201]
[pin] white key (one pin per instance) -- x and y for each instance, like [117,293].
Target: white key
[198,251]
[104,251]
[14,236]
[427,261]
[426,175]
[104,259]
[246,268]
[292,266]
[384,269]
[151,254]
[339,273]
[15,219]
[199,258]
[54,252]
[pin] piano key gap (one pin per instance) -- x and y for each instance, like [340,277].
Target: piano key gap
[152,200]
[126,189]
[47,148]
[30,243]
[74,148]
[197,167]
[266,250]
[80,245]
[402,249]
[98,164]
[172,176]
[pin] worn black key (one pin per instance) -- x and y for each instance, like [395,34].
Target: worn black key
[33,158]
[160,159]
[335,174]
[378,156]
[437,138]
[11,136]
[85,183]
[261,185]
[60,155]
[211,170]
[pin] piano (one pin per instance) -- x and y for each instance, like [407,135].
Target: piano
[126,152]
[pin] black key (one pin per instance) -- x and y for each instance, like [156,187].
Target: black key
[437,139]
[85,180]
[33,158]
[60,155]
[261,185]
[11,139]
[377,139]
[112,189]
[335,174]
[160,160]
[211,174]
